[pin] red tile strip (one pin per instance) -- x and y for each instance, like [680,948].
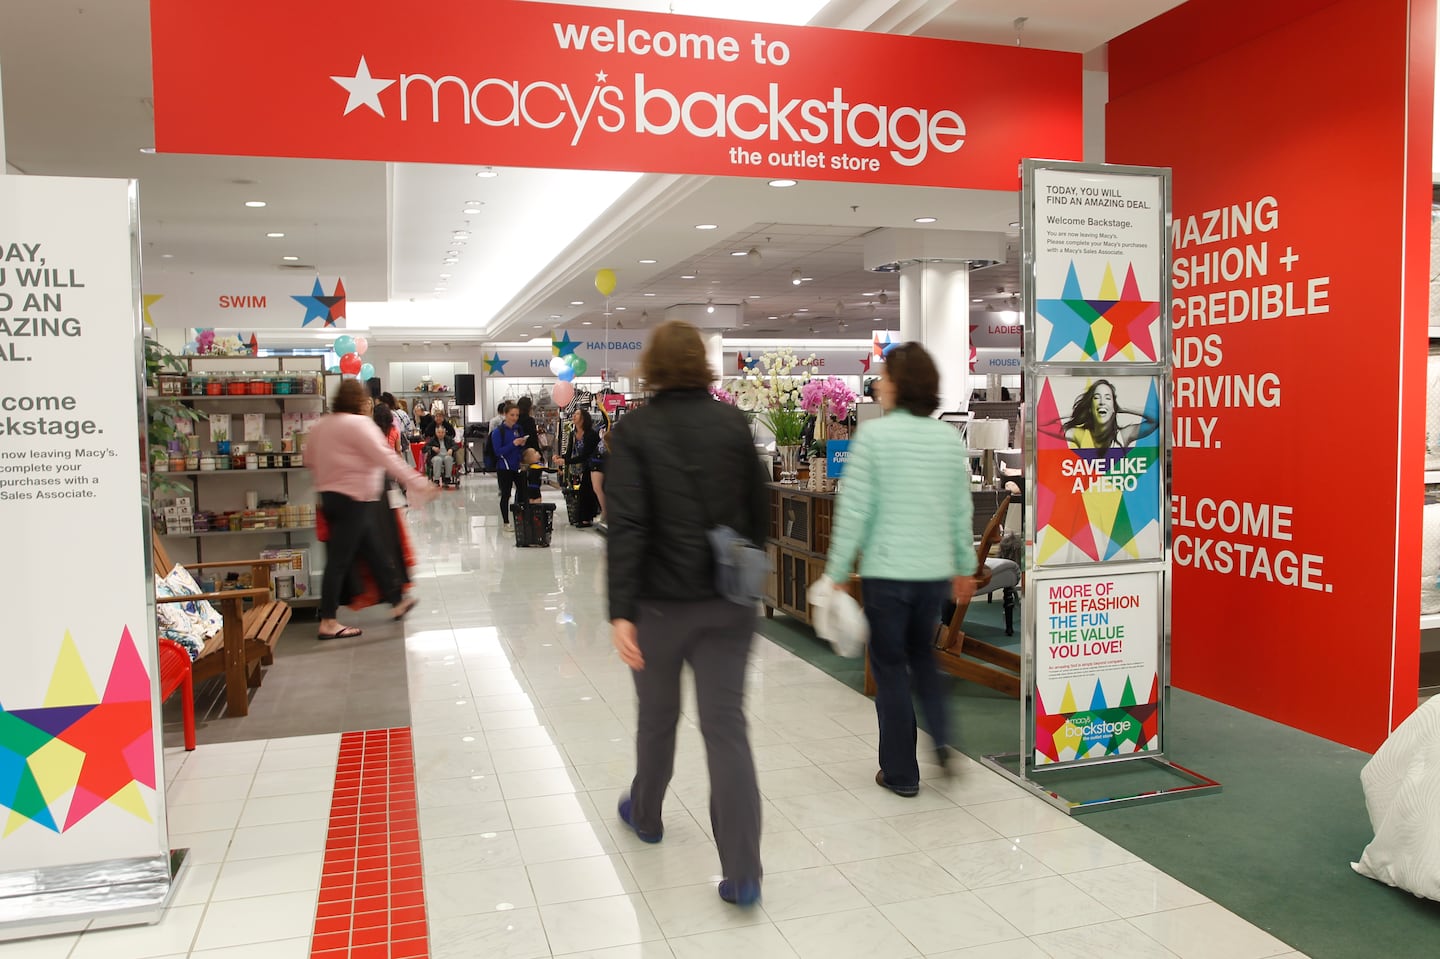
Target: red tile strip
[372,896]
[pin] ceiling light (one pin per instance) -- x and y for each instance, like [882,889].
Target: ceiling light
[753,255]
[446,276]
[289,259]
[486,172]
[707,226]
[795,278]
[450,260]
[587,323]
[553,316]
[452,252]
[689,276]
[577,302]
[254,204]
[171,256]
[538,326]
[461,234]
[147,150]
[772,317]
[1014,222]
[647,294]
[274,236]
[644,316]
[782,183]
[710,305]
[622,309]
[924,219]
[740,253]
[806,279]
[978,299]
[647,262]
[471,210]
[803,309]
[883,298]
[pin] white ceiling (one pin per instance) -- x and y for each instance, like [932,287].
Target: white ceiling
[76,84]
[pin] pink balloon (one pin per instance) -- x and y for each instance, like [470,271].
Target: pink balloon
[361,345]
[562,393]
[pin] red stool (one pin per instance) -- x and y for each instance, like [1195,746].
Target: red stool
[175,671]
[417,453]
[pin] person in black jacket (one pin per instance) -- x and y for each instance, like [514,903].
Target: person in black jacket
[677,467]
[526,423]
[582,450]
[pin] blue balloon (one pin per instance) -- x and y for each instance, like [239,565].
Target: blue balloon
[333,369]
[344,344]
[367,371]
[566,375]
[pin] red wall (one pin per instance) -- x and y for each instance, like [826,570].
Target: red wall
[1326,108]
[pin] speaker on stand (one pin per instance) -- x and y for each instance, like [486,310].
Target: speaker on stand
[465,398]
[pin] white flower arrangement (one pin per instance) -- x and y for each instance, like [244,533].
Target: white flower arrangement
[772,390]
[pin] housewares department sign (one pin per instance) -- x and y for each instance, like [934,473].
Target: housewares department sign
[79,753]
[542,85]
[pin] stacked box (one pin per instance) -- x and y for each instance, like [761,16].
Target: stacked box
[298,565]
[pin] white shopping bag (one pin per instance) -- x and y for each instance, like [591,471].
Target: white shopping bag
[838,619]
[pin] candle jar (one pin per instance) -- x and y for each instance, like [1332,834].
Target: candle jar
[213,386]
[192,461]
[237,386]
[283,385]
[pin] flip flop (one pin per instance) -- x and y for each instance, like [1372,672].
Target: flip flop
[403,607]
[344,632]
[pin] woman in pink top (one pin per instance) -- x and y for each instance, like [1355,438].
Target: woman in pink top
[349,458]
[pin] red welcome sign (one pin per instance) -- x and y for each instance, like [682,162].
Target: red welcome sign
[542,85]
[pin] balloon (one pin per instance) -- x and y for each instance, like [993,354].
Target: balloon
[344,343]
[361,345]
[565,375]
[578,364]
[350,363]
[562,394]
[333,369]
[605,282]
[367,372]
[559,365]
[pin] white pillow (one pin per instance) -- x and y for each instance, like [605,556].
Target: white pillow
[180,580]
[172,622]
[1402,785]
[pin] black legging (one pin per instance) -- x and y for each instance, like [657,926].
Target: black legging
[352,536]
[510,484]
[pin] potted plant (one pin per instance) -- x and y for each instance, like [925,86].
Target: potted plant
[162,429]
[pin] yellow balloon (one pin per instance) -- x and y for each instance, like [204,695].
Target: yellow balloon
[605,282]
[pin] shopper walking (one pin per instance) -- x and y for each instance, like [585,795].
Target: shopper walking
[508,443]
[679,466]
[402,416]
[525,422]
[914,546]
[580,454]
[349,459]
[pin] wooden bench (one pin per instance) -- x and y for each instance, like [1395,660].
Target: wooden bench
[246,643]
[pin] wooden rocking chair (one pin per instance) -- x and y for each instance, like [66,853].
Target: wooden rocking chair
[967,657]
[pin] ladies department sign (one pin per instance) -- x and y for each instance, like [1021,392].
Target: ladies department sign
[544,85]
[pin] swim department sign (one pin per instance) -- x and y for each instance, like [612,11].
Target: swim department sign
[542,85]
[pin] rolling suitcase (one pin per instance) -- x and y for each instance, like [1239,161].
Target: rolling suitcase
[534,522]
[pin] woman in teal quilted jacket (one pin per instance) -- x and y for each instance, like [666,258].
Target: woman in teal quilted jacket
[905,512]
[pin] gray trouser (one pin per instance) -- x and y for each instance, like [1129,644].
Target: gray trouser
[714,637]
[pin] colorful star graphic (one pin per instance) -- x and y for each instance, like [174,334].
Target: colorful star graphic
[1113,324]
[318,306]
[148,300]
[563,346]
[881,348]
[865,363]
[494,365]
[95,749]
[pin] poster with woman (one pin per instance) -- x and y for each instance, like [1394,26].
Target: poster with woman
[1098,470]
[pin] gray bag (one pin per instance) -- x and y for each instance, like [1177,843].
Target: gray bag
[740,566]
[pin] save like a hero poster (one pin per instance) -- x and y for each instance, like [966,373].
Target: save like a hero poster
[1098,470]
[1097,667]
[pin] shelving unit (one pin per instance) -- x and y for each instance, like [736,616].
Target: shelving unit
[224,489]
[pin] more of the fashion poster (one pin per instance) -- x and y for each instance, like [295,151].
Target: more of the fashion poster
[1098,470]
[1098,255]
[1097,666]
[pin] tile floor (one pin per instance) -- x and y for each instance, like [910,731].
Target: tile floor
[521,719]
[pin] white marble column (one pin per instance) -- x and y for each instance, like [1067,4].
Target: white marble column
[935,312]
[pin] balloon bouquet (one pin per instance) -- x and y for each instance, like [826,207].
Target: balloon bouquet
[567,365]
[351,349]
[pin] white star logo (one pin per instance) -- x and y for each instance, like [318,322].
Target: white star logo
[601,77]
[364,89]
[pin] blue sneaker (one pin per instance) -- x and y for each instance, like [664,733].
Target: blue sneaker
[624,810]
[744,892]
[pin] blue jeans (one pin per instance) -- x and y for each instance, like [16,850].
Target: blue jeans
[903,616]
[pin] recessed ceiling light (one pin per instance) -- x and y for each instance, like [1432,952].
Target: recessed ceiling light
[803,309]
[452,252]
[587,323]
[740,253]
[461,234]
[486,173]
[647,262]
[450,260]
[782,183]
[446,276]
[707,226]
[255,204]
[470,210]
[647,294]
[147,150]
[977,300]
[577,302]
[289,259]
[806,279]
[1014,222]
[688,276]
[167,256]
[622,309]
[924,219]
[795,278]
[274,236]
[539,326]
[773,317]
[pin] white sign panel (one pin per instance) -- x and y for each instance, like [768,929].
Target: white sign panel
[79,721]
[1098,255]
